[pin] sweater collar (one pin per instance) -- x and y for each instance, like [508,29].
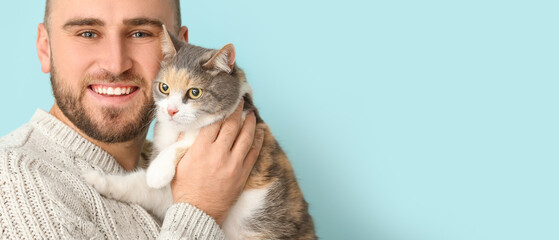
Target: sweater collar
[69,139]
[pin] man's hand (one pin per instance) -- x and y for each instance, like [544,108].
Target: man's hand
[213,173]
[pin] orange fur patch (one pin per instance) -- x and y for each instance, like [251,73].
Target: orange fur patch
[177,79]
[271,156]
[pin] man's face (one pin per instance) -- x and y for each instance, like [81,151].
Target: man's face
[104,56]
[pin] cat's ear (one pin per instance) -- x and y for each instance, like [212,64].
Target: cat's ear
[222,61]
[169,44]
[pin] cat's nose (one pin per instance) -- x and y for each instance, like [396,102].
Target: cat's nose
[172,111]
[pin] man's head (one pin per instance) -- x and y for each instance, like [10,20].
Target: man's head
[103,56]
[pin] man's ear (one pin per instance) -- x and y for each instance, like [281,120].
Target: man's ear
[43,48]
[222,61]
[183,34]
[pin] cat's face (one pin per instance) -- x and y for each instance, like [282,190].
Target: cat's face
[197,86]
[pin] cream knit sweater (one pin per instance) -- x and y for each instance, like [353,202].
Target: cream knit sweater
[43,197]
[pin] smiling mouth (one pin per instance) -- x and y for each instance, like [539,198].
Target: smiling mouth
[113,91]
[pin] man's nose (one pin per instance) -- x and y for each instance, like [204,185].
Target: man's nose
[115,58]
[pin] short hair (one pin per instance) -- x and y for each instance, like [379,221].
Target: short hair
[177,6]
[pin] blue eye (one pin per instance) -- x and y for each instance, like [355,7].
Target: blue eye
[88,34]
[140,35]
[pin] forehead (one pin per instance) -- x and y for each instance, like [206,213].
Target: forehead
[112,12]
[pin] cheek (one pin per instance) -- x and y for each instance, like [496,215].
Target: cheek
[189,112]
[71,63]
[192,109]
[161,106]
[147,60]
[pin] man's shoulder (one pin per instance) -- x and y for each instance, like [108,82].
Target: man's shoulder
[21,146]
[23,160]
[17,138]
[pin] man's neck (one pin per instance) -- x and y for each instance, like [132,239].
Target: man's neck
[126,153]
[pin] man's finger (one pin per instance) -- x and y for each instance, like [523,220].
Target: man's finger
[254,152]
[246,137]
[230,128]
[208,134]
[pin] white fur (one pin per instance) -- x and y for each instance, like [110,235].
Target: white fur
[164,136]
[162,169]
[249,203]
[132,188]
[245,88]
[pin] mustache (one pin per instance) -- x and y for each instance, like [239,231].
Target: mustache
[106,77]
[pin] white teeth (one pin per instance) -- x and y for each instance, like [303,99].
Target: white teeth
[112,91]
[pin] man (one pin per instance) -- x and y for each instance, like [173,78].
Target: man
[114,45]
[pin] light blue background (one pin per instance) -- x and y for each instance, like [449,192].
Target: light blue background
[404,120]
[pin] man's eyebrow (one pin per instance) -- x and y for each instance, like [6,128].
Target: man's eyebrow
[143,21]
[83,22]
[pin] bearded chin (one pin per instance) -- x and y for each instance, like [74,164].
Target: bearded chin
[112,128]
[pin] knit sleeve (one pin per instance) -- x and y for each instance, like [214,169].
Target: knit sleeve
[184,221]
[26,210]
[23,212]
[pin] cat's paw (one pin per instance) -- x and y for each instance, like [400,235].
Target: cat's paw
[97,180]
[160,173]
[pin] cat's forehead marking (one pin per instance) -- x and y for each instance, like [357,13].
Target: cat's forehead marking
[177,78]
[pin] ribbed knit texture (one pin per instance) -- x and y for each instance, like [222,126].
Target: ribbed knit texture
[42,195]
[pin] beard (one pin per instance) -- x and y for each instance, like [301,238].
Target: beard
[116,124]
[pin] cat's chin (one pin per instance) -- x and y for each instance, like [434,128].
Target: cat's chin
[179,126]
[197,124]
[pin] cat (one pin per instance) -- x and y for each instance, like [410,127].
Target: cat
[271,205]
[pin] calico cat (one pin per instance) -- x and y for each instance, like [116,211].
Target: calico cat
[196,87]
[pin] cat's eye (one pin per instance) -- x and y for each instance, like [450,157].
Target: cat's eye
[195,93]
[164,88]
